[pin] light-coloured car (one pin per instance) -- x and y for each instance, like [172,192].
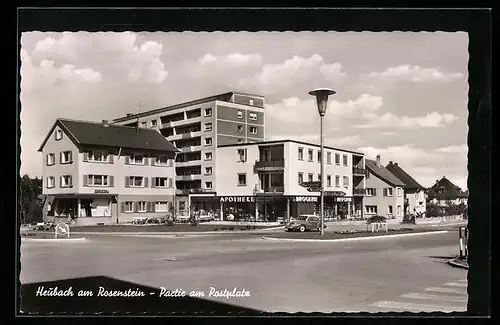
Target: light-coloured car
[305,222]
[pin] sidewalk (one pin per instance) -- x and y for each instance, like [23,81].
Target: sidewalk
[460,263]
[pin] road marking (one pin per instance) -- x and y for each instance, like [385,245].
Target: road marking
[463,280]
[423,296]
[166,259]
[456,284]
[403,306]
[447,290]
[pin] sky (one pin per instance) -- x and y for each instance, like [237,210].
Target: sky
[400,95]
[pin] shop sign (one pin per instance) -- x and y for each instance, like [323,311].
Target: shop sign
[344,199]
[237,199]
[305,199]
[334,193]
[101,191]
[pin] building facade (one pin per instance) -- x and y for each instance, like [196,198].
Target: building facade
[415,194]
[269,180]
[196,128]
[95,173]
[444,192]
[384,191]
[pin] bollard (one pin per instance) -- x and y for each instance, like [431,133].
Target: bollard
[460,242]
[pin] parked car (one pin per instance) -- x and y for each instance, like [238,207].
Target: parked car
[305,222]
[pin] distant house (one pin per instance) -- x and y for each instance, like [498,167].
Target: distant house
[99,173]
[415,194]
[444,192]
[384,191]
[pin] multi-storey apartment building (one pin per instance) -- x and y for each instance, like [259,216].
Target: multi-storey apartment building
[384,191]
[99,173]
[266,180]
[196,128]
[415,194]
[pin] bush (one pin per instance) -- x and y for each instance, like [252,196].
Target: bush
[375,219]
[433,211]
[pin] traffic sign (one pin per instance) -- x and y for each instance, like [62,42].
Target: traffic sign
[316,184]
[314,189]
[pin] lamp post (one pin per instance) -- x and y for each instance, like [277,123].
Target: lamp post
[321,95]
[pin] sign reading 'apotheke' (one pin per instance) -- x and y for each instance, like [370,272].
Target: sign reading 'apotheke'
[237,199]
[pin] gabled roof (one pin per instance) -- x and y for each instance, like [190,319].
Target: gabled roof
[410,182]
[383,173]
[86,133]
[449,190]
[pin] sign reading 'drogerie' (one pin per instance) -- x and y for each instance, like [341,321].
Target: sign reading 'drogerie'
[101,191]
[305,199]
[237,199]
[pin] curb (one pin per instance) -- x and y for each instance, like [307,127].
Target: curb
[167,233]
[53,239]
[355,238]
[459,265]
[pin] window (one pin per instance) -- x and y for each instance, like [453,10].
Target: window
[161,161]
[95,156]
[129,206]
[242,179]
[51,159]
[252,116]
[208,185]
[154,123]
[208,170]
[337,159]
[144,124]
[371,192]
[319,156]
[388,191]
[337,181]
[161,206]
[136,159]
[310,177]
[253,130]
[208,141]
[399,191]
[208,112]
[371,209]
[250,102]
[240,140]
[319,177]
[98,180]
[389,209]
[240,128]
[328,180]
[208,156]
[301,178]
[141,206]
[310,155]
[301,153]
[329,158]
[242,153]
[135,181]
[51,182]
[160,181]
[346,181]
[400,210]
[208,127]
[240,114]
[344,160]
[66,157]
[66,181]
[58,135]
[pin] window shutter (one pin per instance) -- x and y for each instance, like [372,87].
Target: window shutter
[127,159]
[111,181]
[127,181]
[151,206]
[60,181]
[70,181]
[123,206]
[374,192]
[60,157]
[136,205]
[70,156]
[170,182]
[85,180]
[145,179]
[85,156]
[146,161]
[385,191]
[110,158]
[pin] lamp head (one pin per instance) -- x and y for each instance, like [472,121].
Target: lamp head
[321,95]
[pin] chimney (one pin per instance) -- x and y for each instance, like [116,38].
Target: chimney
[378,161]
[396,164]
[390,162]
[129,114]
[105,122]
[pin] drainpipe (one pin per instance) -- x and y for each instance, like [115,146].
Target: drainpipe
[118,203]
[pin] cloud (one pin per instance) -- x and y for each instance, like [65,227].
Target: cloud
[458,149]
[389,120]
[231,60]
[416,74]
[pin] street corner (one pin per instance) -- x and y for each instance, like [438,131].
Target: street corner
[459,263]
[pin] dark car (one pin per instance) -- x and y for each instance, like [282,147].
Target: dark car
[304,222]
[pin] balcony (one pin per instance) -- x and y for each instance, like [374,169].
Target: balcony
[191,191]
[263,166]
[188,163]
[270,190]
[359,191]
[187,121]
[190,149]
[357,171]
[187,135]
[192,177]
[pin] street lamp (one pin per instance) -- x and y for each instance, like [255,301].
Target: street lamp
[321,95]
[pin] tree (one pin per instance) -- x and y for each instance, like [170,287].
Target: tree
[30,200]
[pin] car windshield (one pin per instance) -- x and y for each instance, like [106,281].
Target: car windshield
[302,218]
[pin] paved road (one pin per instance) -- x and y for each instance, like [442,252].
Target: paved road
[381,275]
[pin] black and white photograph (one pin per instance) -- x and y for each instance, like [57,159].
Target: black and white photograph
[243,172]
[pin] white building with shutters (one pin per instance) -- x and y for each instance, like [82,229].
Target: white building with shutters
[106,174]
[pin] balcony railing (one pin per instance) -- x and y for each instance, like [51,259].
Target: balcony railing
[269,165]
[188,163]
[190,177]
[272,189]
[191,191]
[358,171]
[359,191]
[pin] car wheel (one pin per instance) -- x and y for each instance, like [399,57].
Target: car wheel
[302,228]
